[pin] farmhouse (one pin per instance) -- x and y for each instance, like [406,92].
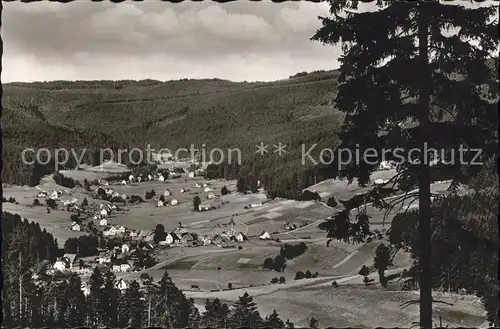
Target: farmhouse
[161,178]
[75,226]
[42,195]
[169,239]
[110,232]
[121,285]
[104,259]
[125,248]
[198,185]
[179,230]
[104,213]
[255,204]
[204,207]
[379,181]
[103,222]
[54,195]
[290,226]
[120,229]
[240,237]
[125,267]
[139,179]
[131,178]
[208,189]
[159,203]
[385,165]
[132,234]
[85,289]
[205,240]
[174,202]
[191,174]
[60,265]
[124,182]
[167,193]
[210,195]
[264,236]
[115,268]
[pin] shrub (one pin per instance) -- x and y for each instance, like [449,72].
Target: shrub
[331,202]
[308,274]
[51,203]
[36,202]
[60,179]
[85,202]
[230,286]
[274,280]
[309,196]
[299,275]
[282,280]
[224,190]
[196,203]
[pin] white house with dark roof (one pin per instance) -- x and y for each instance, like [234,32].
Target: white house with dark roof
[264,236]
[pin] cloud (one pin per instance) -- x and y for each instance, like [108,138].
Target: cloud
[161,40]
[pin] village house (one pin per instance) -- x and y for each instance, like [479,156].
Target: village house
[103,222]
[198,185]
[54,195]
[124,182]
[139,179]
[85,289]
[104,213]
[167,193]
[385,165]
[208,189]
[110,232]
[104,259]
[210,195]
[169,239]
[161,178]
[290,226]
[183,190]
[131,178]
[125,267]
[204,207]
[264,236]
[125,248]
[240,237]
[191,174]
[255,204]
[42,195]
[121,285]
[75,226]
[205,240]
[159,204]
[120,229]
[132,234]
[115,268]
[174,202]
[60,265]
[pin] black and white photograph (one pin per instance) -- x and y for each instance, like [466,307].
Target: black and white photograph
[250,164]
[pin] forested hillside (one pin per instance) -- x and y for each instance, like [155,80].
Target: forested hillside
[174,114]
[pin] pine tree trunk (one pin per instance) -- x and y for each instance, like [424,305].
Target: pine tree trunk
[425,277]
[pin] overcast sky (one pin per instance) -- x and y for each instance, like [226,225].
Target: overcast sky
[160,40]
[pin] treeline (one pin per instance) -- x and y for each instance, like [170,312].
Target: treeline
[277,182]
[287,251]
[465,245]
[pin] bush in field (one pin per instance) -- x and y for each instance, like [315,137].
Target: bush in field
[299,275]
[274,280]
[36,202]
[224,190]
[282,280]
[331,202]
